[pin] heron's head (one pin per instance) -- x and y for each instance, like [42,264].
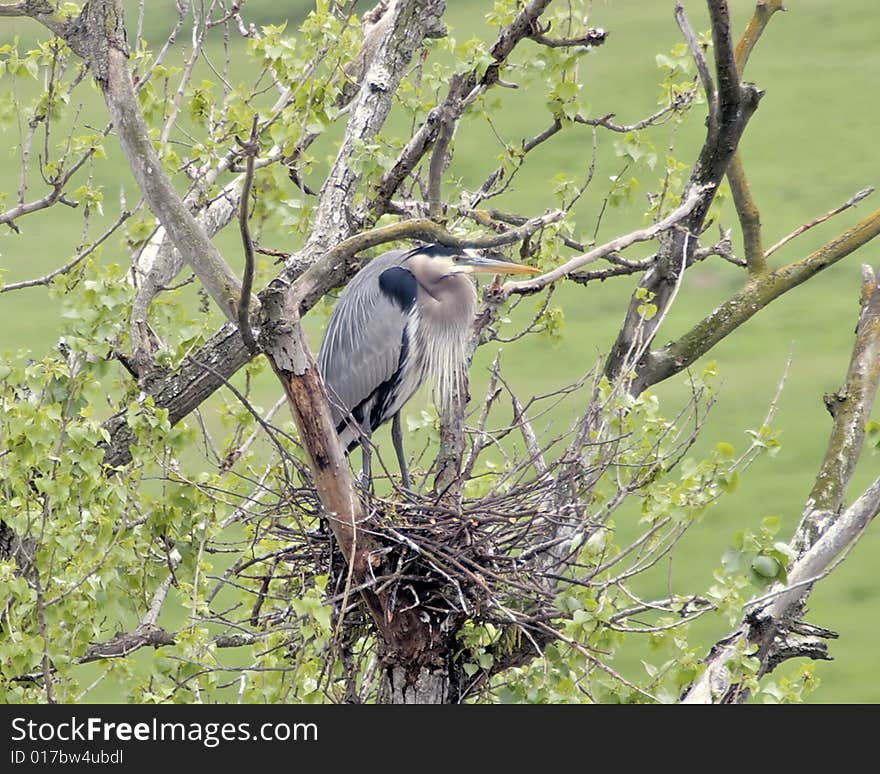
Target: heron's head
[433,262]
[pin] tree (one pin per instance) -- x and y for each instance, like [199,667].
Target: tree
[298,581]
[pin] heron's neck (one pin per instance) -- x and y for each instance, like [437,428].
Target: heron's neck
[442,334]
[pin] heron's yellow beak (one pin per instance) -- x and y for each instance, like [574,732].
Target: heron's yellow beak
[475,263]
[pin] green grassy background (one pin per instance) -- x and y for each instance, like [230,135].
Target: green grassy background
[809,147]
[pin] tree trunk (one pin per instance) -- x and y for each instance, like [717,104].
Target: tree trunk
[430,686]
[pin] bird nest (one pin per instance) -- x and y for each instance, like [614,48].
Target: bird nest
[446,560]
[461,560]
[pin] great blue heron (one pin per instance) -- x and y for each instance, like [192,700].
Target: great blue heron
[403,319]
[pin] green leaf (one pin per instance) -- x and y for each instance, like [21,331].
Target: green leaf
[725,449]
[729,481]
[766,566]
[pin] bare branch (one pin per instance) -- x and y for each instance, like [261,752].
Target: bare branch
[251,148]
[748,214]
[126,643]
[851,202]
[606,121]
[440,156]
[73,263]
[699,56]
[16,9]
[594,36]
[764,10]
[850,408]
[694,198]
[53,197]
[147,632]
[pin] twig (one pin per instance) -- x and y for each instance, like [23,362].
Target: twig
[851,202]
[693,199]
[764,10]
[440,155]
[594,36]
[606,121]
[700,59]
[72,264]
[146,633]
[528,433]
[250,149]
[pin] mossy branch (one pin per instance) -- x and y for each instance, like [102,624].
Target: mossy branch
[764,10]
[746,208]
[759,292]
[748,214]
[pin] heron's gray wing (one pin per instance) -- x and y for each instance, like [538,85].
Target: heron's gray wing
[361,348]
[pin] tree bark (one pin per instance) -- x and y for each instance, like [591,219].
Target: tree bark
[430,686]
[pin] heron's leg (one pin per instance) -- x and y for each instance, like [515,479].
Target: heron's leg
[397,439]
[366,472]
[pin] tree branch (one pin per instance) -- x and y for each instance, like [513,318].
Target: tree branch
[440,155]
[757,294]
[126,643]
[851,202]
[188,236]
[606,123]
[824,534]
[335,266]
[700,60]
[749,215]
[736,103]
[251,148]
[147,633]
[764,10]
[594,36]
[746,209]
[850,408]
[405,30]
[693,200]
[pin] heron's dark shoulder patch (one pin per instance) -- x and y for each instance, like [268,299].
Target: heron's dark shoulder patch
[400,286]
